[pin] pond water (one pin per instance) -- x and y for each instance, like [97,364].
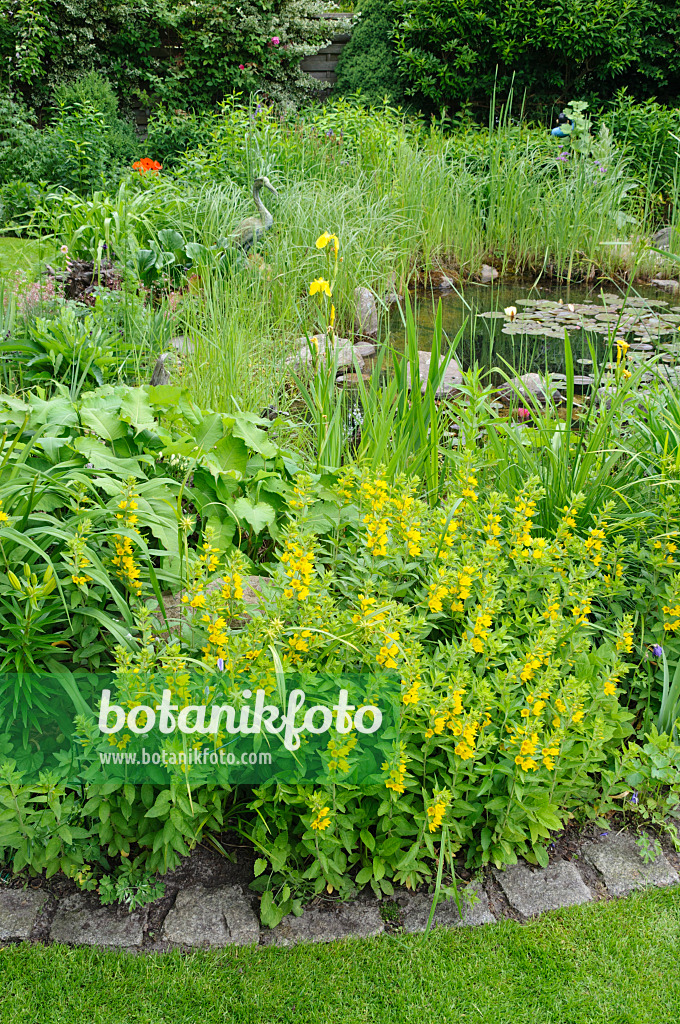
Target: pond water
[532,339]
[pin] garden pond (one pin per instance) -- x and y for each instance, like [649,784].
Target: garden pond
[514,326]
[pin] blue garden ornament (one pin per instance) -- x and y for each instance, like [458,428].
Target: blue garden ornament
[559,132]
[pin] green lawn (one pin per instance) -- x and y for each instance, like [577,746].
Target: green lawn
[23,254]
[606,962]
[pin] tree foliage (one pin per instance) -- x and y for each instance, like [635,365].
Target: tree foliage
[188,52]
[452,51]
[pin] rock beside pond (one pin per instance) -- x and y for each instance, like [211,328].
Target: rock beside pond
[667,285]
[530,388]
[451,379]
[487,274]
[364,348]
[662,238]
[340,349]
[365,313]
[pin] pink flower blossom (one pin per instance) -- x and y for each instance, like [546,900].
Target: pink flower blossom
[523,414]
[241,67]
[275,40]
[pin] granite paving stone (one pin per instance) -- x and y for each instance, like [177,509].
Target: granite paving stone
[79,921]
[534,891]
[19,911]
[417,911]
[221,916]
[619,861]
[343,921]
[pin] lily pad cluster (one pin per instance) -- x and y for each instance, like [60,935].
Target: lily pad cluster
[640,320]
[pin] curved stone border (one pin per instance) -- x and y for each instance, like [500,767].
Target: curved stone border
[216,916]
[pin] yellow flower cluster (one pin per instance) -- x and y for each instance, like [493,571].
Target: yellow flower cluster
[469,482]
[340,751]
[594,542]
[298,561]
[624,642]
[492,528]
[436,811]
[412,693]
[376,535]
[76,556]
[232,589]
[389,650]
[127,569]
[396,770]
[481,628]
[673,624]
[321,819]
[4,518]
[522,523]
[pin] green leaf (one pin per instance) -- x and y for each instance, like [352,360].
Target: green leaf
[258,516]
[135,409]
[259,866]
[270,914]
[255,438]
[364,875]
[103,422]
[368,839]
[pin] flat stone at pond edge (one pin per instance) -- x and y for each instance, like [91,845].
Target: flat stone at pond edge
[365,313]
[364,348]
[451,379]
[340,349]
[532,892]
[343,921]
[80,921]
[618,860]
[417,911]
[211,917]
[19,910]
[487,274]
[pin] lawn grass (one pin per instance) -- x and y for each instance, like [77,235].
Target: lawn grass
[23,254]
[606,962]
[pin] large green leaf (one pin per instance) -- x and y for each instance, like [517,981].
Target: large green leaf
[136,410]
[258,516]
[105,423]
[254,437]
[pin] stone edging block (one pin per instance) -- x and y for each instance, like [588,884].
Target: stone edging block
[532,892]
[19,911]
[417,910]
[342,921]
[618,860]
[211,917]
[79,921]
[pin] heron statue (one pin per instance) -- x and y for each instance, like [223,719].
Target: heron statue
[251,229]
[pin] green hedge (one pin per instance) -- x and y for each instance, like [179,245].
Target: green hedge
[190,53]
[453,52]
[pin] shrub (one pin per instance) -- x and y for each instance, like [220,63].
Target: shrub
[368,62]
[451,52]
[646,133]
[208,50]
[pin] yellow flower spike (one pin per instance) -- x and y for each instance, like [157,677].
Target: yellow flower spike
[320,286]
[332,320]
[323,240]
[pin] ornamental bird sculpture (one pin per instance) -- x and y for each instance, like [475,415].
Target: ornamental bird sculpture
[252,228]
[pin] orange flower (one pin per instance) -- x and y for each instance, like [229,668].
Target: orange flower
[146,164]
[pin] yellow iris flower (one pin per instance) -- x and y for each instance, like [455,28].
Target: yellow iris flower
[323,240]
[321,285]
